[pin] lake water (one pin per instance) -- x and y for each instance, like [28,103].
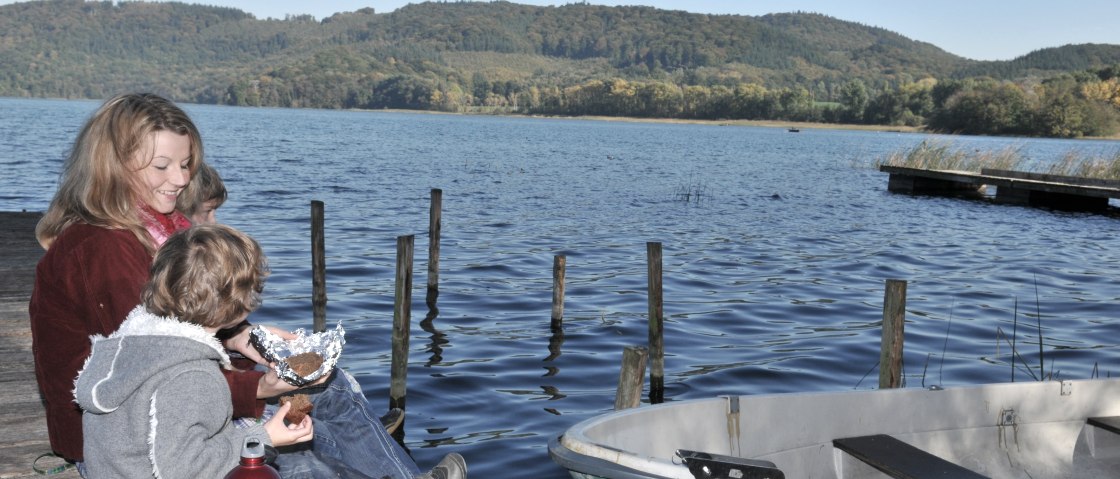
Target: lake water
[773,280]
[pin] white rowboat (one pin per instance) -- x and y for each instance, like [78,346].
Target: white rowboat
[1038,430]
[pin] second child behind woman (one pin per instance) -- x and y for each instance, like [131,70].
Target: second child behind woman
[207,193]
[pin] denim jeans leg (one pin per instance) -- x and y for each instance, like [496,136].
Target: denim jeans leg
[307,464]
[346,428]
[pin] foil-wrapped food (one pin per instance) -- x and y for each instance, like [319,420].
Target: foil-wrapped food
[293,356]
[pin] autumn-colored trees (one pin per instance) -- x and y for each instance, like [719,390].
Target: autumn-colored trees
[576,59]
[1064,106]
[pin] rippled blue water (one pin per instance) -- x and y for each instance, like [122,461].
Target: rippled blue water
[773,281]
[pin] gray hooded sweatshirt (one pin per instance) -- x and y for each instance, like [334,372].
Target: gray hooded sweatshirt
[155,402]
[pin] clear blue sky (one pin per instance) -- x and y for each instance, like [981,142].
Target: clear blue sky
[977,29]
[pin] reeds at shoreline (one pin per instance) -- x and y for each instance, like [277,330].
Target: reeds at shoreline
[1073,164]
[934,155]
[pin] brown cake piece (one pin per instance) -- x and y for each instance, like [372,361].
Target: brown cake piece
[301,407]
[304,364]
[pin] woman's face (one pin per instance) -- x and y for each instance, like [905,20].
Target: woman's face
[163,178]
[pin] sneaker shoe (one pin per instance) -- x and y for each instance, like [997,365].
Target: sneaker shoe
[392,419]
[452,466]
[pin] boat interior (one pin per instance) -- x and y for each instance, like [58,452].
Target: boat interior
[1051,429]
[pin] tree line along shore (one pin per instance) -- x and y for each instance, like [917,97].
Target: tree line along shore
[571,60]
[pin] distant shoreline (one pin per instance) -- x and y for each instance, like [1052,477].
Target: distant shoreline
[800,125]
[759,123]
[630,119]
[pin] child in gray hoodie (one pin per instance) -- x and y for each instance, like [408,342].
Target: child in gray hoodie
[155,401]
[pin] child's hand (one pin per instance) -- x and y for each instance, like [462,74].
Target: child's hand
[287,434]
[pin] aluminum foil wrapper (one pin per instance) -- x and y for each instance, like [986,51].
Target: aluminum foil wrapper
[275,349]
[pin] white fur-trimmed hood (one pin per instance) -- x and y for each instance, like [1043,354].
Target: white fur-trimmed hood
[142,323]
[143,347]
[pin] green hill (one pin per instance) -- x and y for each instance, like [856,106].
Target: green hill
[474,56]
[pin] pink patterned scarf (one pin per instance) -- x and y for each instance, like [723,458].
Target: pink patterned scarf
[161,226]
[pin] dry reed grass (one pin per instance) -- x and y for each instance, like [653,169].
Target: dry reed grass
[932,155]
[1075,164]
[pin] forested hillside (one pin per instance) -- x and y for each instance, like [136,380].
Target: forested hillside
[506,57]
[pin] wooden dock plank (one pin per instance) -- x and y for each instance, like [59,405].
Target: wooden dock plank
[1022,188]
[23,424]
[1091,190]
[17,260]
[1072,180]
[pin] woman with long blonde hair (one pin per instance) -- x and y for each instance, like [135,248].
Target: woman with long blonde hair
[115,204]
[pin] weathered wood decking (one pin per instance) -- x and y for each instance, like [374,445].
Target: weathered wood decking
[23,428]
[1012,187]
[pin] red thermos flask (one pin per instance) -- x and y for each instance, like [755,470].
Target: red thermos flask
[253,465]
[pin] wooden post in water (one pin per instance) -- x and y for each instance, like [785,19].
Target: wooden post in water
[559,263]
[434,218]
[402,317]
[318,268]
[631,378]
[656,324]
[894,317]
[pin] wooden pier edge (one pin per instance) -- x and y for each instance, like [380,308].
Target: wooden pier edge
[23,424]
[1012,187]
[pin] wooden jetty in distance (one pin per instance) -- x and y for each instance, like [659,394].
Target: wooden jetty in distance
[1012,187]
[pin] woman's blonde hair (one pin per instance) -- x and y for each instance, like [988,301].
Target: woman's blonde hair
[208,275]
[99,177]
[206,185]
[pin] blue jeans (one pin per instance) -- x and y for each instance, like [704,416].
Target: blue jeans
[349,438]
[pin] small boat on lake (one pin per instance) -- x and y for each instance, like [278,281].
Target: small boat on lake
[1047,429]
[794,130]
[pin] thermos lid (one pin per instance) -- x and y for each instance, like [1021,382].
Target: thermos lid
[254,447]
[253,462]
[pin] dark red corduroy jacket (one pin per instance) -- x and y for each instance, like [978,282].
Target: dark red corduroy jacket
[86,284]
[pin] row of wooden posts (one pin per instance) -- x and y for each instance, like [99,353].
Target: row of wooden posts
[635,358]
[402,296]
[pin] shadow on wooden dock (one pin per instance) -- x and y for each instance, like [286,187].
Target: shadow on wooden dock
[23,426]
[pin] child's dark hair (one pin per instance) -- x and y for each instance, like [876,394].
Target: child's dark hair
[206,185]
[207,275]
